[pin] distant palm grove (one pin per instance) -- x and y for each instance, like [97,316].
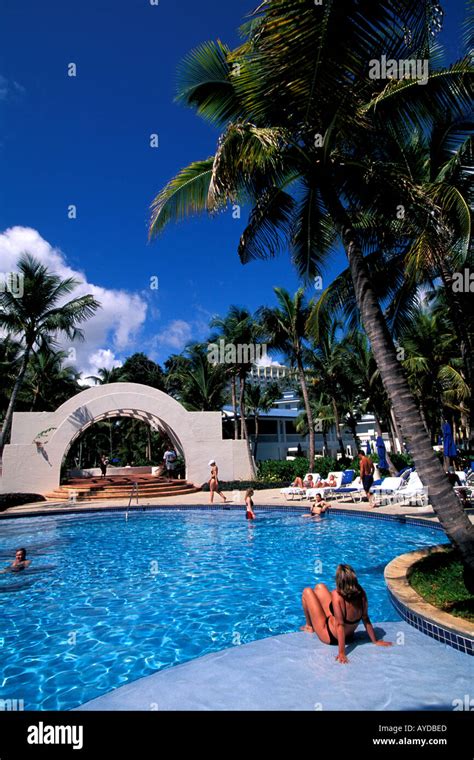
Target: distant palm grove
[325,157]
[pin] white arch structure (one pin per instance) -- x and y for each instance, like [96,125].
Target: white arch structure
[40,440]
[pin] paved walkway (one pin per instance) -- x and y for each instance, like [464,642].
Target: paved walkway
[268,497]
[297,672]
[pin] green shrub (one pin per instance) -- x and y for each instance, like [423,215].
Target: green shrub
[401,460]
[17,499]
[272,470]
[243,485]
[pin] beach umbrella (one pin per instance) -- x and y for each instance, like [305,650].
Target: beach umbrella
[369,450]
[449,447]
[381,451]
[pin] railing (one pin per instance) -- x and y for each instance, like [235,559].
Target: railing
[132,492]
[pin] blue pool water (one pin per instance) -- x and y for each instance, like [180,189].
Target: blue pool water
[108,601]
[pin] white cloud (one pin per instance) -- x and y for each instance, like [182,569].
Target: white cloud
[9,88]
[175,335]
[111,330]
[267,361]
[101,359]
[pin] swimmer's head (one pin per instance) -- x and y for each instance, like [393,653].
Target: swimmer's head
[20,555]
[319,497]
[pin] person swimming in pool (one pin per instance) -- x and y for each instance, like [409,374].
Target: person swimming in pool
[334,616]
[19,563]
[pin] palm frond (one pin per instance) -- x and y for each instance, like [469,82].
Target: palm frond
[185,195]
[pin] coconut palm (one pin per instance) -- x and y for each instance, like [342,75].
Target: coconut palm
[239,330]
[105,376]
[200,384]
[10,362]
[48,380]
[260,400]
[308,139]
[284,327]
[433,365]
[41,314]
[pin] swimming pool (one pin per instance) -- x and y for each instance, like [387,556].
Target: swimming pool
[107,601]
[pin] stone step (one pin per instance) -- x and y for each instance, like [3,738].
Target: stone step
[119,494]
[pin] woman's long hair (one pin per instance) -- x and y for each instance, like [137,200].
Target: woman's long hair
[347,584]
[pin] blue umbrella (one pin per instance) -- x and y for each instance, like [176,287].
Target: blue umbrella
[369,450]
[449,447]
[381,451]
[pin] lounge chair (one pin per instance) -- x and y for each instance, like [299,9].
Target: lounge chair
[292,491]
[325,490]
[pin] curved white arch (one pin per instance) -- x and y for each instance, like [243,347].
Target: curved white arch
[32,467]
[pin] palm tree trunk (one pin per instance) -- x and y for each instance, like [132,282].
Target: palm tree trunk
[243,424]
[256,436]
[338,428]
[7,422]
[309,413]
[442,497]
[325,441]
[460,321]
[233,390]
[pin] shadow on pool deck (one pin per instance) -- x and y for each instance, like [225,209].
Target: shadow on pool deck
[296,671]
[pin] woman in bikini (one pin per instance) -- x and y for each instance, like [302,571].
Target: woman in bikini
[214,481]
[319,507]
[249,514]
[334,616]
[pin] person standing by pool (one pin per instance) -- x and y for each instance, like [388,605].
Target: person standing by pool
[214,481]
[103,465]
[334,616]
[250,514]
[169,458]
[367,470]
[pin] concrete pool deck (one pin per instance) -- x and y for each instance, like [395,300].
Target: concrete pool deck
[267,497]
[296,671]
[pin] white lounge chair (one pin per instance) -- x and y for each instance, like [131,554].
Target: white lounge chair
[325,490]
[292,491]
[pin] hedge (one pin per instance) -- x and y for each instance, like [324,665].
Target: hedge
[243,485]
[17,499]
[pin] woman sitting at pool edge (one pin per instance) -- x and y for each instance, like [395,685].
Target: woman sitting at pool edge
[319,507]
[334,616]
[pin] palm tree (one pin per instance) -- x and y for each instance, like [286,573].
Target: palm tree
[40,316]
[307,137]
[48,382]
[328,361]
[238,329]
[433,366]
[105,376]
[10,362]
[285,329]
[201,384]
[259,400]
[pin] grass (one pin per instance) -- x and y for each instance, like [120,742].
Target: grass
[438,579]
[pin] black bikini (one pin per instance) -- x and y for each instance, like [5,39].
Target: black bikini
[332,639]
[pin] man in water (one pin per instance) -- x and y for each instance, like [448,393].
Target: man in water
[20,562]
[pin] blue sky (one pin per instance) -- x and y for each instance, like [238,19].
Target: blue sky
[85,141]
